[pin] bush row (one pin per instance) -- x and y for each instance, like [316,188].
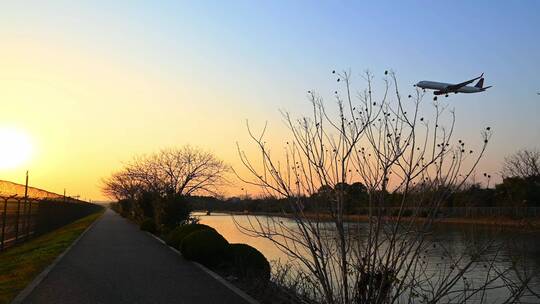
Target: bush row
[203,244]
[164,212]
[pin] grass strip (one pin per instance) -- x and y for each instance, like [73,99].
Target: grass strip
[20,264]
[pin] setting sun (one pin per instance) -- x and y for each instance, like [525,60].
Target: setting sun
[16,148]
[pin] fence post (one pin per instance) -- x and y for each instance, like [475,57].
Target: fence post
[4,215]
[26,208]
[4,219]
[29,219]
[23,219]
[17,218]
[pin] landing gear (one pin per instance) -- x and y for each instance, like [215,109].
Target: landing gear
[435,98]
[446,95]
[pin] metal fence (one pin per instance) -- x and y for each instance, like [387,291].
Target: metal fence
[462,212]
[471,212]
[8,189]
[23,218]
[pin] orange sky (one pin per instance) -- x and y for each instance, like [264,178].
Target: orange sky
[85,115]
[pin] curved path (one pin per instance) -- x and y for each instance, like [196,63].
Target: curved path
[114,262]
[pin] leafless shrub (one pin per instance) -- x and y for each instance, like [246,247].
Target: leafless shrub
[524,163]
[404,160]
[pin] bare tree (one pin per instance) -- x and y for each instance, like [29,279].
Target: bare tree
[176,171]
[406,162]
[524,163]
[121,186]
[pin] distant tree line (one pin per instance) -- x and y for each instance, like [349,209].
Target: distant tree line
[165,187]
[520,188]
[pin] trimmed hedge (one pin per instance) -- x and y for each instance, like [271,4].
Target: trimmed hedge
[175,237]
[249,264]
[148,225]
[206,247]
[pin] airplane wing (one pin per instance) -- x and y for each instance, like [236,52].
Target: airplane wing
[455,87]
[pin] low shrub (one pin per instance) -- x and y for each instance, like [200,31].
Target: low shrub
[148,225]
[424,214]
[407,213]
[175,237]
[206,247]
[171,212]
[249,264]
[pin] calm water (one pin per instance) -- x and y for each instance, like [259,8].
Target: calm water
[455,237]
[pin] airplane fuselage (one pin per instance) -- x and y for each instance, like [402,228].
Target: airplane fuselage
[443,88]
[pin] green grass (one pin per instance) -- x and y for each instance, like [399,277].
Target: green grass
[19,265]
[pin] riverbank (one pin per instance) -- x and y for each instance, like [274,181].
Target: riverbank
[525,223]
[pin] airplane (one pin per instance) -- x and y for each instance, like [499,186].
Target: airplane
[446,88]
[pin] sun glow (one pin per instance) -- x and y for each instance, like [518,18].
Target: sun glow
[16,148]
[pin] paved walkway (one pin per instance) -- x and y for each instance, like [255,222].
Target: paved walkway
[115,262]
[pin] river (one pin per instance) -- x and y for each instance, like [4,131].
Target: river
[526,245]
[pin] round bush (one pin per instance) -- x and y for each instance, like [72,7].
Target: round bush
[175,237]
[148,225]
[249,263]
[206,247]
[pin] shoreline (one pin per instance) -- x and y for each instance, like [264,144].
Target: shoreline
[530,224]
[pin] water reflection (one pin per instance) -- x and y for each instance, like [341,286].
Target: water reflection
[456,238]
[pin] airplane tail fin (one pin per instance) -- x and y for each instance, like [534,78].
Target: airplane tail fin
[480,83]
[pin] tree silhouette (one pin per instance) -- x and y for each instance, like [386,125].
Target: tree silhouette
[524,163]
